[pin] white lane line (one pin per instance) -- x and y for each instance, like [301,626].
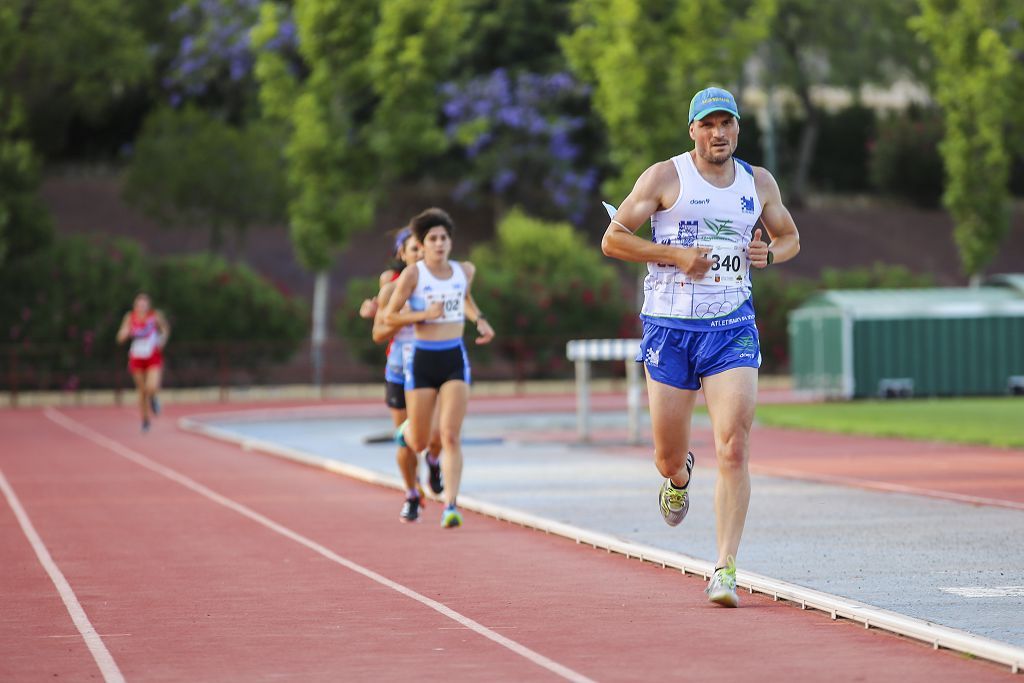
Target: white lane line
[874,485]
[986,592]
[139,459]
[99,651]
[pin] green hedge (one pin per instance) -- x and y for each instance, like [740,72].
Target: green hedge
[74,291]
[208,299]
[353,329]
[540,284]
[60,309]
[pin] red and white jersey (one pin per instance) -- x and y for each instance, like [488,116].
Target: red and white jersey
[145,335]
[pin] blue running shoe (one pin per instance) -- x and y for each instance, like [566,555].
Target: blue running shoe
[400,435]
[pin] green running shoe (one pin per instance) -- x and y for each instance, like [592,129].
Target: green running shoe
[451,518]
[675,503]
[722,587]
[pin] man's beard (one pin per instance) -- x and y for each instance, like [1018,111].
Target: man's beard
[718,158]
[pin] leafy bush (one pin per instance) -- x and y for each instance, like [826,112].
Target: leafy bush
[60,308]
[206,299]
[353,329]
[904,158]
[74,291]
[540,284]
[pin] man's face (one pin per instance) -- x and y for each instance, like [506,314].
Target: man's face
[715,136]
[437,242]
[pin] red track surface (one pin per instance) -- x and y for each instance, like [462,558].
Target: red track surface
[184,589]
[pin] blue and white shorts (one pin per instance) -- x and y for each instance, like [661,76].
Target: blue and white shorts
[680,358]
[433,363]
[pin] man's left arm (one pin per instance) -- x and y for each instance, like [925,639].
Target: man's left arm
[784,239]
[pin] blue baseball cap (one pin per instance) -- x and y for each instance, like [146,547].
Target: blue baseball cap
[712,99]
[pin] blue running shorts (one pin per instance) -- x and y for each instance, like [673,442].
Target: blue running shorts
[680,358]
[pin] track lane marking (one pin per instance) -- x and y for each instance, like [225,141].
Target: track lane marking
[143,461]
[100,654]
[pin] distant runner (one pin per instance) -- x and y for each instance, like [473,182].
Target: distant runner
[148,331]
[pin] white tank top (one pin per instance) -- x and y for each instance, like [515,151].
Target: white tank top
[451,293]
[722,218]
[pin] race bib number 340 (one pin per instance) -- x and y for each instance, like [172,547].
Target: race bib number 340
[729,265]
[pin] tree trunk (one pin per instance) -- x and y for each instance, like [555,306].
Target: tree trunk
[805,153]
[812,121]
[319,334]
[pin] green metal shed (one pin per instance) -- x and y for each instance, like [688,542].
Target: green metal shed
[903,342]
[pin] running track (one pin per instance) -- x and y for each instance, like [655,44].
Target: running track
[196,561]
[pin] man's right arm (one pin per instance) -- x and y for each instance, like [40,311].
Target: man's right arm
[620,242]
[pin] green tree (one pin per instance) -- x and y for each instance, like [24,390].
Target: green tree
[24,224]
[646,59]
[973,45]
[191,168]
[844,44]
[348,119]
[75,58]
[363,106]
[516,35]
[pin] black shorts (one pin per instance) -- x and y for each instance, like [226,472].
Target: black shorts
[394,395]
[436,362]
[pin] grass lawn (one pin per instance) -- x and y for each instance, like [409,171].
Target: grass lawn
[989,421]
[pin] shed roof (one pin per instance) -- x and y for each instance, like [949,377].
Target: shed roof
[944,302]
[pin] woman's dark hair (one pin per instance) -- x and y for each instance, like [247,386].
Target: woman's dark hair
[431,218]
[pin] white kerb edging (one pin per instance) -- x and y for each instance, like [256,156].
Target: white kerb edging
[838,607]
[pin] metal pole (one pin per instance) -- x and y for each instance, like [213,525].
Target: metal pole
[583,399]
[633,399]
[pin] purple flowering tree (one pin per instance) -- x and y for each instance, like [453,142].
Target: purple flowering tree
[521,134]
[215,59]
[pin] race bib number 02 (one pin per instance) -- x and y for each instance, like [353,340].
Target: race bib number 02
[729,265]
[451,307]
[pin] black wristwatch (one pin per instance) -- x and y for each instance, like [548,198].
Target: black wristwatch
[771,257]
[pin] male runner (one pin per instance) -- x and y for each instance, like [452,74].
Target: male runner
[698,314]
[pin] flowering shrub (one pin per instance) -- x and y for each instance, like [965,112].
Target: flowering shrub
[540,284]
[521,131]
